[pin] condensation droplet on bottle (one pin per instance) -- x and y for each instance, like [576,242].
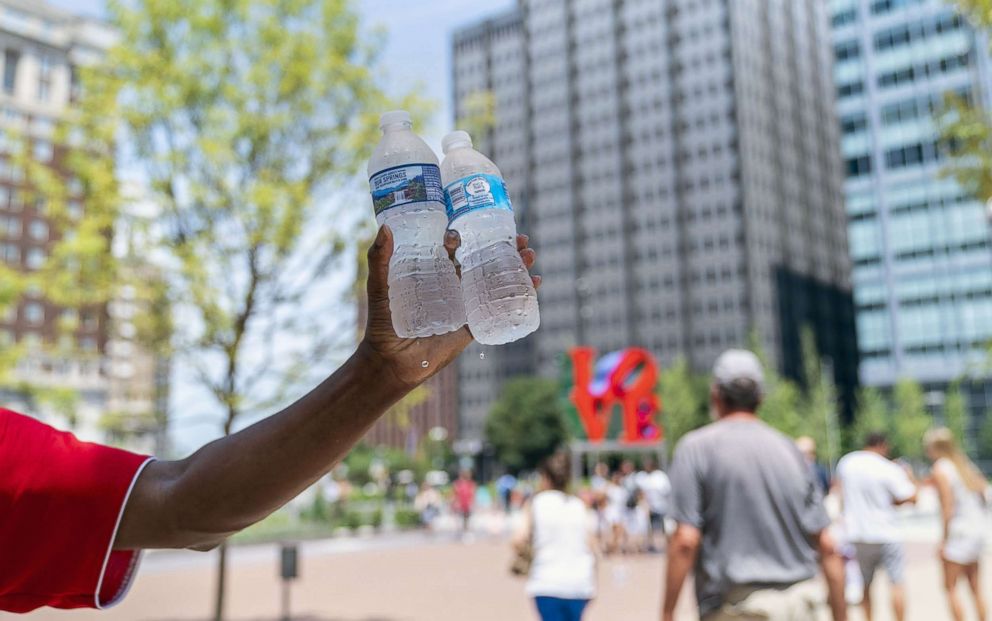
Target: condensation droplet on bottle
[425,364]
[482,355]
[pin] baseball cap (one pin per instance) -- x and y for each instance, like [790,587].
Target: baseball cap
[736,364]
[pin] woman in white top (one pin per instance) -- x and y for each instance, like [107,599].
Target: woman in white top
[962,490]
[561,530]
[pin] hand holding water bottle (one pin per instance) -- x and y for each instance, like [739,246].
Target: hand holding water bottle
[401,358]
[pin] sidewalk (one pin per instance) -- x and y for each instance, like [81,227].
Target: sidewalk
[414,578]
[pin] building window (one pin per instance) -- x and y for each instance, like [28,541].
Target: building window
[10,226]
[74,85]
[43,151]
[44,78]
[34,313]
[857,166]
[850,89]
[853,123]
[39,230]
[10,253]
[847,50]
[35,258]
[843,18]
[11,58]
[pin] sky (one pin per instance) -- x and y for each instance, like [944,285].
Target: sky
[416,55]
[417,49]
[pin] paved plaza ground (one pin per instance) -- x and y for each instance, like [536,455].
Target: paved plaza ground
[416,578]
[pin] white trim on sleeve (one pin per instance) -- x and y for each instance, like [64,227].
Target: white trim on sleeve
[129,578]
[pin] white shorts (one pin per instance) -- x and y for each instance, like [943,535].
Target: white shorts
[964,549]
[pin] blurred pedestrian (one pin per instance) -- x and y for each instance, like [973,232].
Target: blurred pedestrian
[750,516]
[600,477]
[963,497]
[560,531]
[613,513]
[657,489]
[427,504]
[872,486]
[464,489]
[504,488]
[807,446]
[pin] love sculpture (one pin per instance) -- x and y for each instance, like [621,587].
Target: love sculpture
[626,378]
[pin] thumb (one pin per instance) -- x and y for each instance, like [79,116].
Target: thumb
[379,255]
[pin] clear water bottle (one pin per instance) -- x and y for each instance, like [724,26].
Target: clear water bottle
[500,299]
[424,293]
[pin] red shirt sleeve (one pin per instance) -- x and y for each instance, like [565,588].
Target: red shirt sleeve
[61,501]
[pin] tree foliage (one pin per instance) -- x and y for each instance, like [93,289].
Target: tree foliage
[910,420]
[819,403]
[872,415]
[684,401]
[242,117]
[985,437]
[956,413]
[966,127]
[526,424]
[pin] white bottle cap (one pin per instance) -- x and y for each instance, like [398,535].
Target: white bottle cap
[456,139]
[393,117]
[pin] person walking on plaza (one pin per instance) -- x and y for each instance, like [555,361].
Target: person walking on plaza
[74,516]
[963,495]
[871,487]
[657,489]
[561,532]
[614,510]
[464,489]
[749,512]
[807,446]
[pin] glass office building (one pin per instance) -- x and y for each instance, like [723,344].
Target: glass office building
[920,245]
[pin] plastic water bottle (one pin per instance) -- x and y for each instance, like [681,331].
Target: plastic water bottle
[424,293]
[500,299]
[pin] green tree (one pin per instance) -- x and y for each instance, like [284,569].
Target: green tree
[985,437]
[819,404]
[872,415]
[782,401]
[243,116]
[956,413]
[910,420]
[477,114]
[684,402]
[526,424]
[966,127]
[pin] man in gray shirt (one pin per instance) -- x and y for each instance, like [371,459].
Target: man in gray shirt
[750,515]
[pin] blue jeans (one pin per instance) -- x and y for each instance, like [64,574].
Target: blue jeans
[558,609]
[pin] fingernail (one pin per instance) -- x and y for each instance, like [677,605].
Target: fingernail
[380,237]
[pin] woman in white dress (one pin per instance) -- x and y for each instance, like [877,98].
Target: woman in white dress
[963,497]
[561,531]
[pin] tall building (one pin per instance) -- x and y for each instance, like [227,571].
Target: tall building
[921,247]
[42,48]
[676,163]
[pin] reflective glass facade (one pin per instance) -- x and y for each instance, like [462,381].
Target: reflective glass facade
[921,247]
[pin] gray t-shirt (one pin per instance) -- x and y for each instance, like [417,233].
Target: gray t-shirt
[750,492]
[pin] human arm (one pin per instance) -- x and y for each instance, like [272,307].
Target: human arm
[903,486]
[682,551]
[946,496]
[687,511]
[832,565]
[238,480]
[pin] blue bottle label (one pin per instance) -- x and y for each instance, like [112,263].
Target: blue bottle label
[401,185]
[475,192]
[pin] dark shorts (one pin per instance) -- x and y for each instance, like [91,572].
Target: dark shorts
[559,609]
